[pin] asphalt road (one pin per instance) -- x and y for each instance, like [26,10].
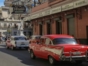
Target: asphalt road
[21,58]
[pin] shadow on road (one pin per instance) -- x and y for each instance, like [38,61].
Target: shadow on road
[23,55]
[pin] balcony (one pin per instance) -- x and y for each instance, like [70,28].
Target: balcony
[7,3]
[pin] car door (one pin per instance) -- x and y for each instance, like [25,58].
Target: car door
[35,47]
[44,48]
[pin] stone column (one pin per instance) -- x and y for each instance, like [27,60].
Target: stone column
[21,28]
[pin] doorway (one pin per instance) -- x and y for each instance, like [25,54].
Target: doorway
[71,25]
[40,29]
[87,34]
[48,28]
[58,27]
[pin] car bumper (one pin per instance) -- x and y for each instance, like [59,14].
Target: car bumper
[73,58]
[21,46]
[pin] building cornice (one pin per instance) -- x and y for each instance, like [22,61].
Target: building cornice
[58,9]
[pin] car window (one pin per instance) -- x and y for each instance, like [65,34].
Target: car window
[35,37]
[20,38]
[64,41]
[48,41]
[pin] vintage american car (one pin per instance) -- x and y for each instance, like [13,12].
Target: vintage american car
[17,42]
[58,48]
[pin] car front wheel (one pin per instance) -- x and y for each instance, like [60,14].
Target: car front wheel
[51,60]
[32,55]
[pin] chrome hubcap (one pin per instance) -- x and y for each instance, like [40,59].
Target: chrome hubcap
[51,60]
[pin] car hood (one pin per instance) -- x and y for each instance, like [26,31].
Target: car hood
[21,40]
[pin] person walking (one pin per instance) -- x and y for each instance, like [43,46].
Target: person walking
[0,39]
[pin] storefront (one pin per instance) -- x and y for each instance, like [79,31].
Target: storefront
[66,19]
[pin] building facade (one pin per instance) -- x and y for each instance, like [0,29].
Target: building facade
[8,24]
[17,18]
[8,3]
[61,17]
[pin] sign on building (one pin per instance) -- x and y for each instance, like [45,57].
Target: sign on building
[19,9]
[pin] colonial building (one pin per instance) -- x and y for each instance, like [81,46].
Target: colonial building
[61,17]
[8,24]
[8,3]
[16,18]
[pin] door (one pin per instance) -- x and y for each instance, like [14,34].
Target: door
[36,49]
[40,29]
[71,26]
[87,34]
[39,50]
[45,47]
[48,28]
[58,27]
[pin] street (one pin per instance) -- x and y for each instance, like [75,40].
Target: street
[21,58]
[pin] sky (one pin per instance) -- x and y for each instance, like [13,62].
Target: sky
[1,2]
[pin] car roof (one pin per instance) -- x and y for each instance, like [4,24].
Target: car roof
[35,36]
[18,36]
[52,36]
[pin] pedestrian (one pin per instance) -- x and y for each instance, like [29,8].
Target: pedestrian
[0,38]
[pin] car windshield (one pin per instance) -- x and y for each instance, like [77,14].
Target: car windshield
[64,41]
[20,38]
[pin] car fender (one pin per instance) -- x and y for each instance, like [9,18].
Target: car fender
[54,52]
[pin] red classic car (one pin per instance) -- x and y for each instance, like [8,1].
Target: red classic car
[58,48]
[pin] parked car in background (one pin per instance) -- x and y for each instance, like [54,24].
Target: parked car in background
[58,48]
[17,42]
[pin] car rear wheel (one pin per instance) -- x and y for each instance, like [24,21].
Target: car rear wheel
[79,62]
[51,60]
[7,47]
[32,55]
[12,48]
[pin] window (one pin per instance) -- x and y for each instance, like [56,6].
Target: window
[64,41]
[15,33]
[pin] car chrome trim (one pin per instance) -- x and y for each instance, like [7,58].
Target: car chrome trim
[75,56]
